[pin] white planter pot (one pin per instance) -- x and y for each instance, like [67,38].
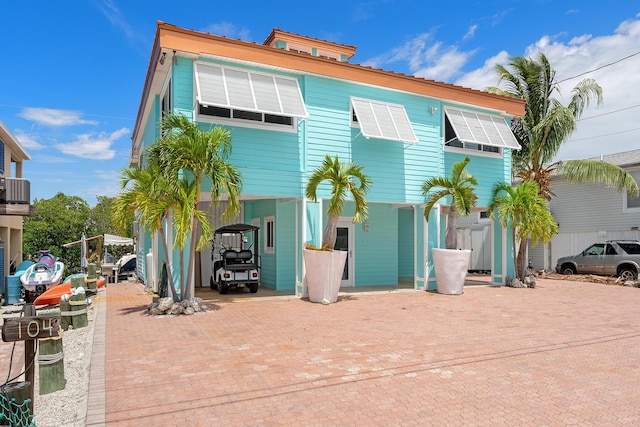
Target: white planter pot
[324,274]
[451,267]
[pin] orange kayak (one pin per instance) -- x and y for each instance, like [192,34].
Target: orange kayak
[53,295]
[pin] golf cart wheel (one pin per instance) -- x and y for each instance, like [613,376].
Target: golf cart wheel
[223,288]
[253,288]
[213,285]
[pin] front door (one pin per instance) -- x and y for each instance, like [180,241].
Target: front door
[344,242]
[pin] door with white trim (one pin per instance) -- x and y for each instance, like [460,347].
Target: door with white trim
[344,242]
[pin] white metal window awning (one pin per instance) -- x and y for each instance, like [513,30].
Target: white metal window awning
[248,90]
[383,120]
[481,128]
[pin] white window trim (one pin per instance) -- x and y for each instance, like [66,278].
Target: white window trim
[484,220]
[626,209]
[470,152]
[269,249]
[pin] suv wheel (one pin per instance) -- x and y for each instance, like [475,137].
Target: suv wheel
[627,273]
[568,269]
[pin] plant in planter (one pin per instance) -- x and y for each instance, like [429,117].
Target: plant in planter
[324,267]
[451,264]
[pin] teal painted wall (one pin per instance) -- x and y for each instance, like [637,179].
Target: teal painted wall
[276,163]
[406,242]
[397,169]
[261,209]
[278,268]
[376,250]
[487,170]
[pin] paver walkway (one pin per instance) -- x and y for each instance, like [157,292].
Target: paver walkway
[565,353]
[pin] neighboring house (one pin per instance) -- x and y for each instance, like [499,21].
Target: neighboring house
[293,99]
[15,202]
[589,213]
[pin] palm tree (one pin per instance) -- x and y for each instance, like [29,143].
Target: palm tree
[547,123]
[528,212]
[341,179]
[146,193]
[463,197]
[187,155]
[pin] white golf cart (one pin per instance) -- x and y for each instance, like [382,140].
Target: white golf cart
[234,263]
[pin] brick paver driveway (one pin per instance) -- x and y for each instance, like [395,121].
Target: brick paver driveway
[565,353]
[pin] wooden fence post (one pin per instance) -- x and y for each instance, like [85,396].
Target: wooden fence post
[92,277]
[78,303]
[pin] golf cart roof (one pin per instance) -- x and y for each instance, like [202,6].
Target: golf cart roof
[236,228]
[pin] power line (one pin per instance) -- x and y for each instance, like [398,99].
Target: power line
[610,112]
[599,68]
[608,134]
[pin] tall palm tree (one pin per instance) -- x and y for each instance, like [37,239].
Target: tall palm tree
[528,212]
[146,193]
[188,154]
[460,186]
[341,179]
[547,123]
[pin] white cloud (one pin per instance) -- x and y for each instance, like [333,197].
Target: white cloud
[470,32]
[620,82]
[90,146]
[53,117]
[28,141]
[619,79]
[117,19]
[426,57]
[227,29]
[485,76]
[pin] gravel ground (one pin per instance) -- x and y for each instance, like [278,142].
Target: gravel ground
[66,407]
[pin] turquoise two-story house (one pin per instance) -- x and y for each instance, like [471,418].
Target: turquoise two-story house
[293,99]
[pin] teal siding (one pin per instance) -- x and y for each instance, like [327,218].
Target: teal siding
[278,269]
[182,82]
[275,165]
[406,243]
[261,209]
[376,250]
[285,245]
[397,169]
[487,170]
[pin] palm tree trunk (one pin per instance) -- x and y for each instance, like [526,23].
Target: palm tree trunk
[170,285]
[191,268]
[522,255]
[451,238]
[330,232]
[183,289]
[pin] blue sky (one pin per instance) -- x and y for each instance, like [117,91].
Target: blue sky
[72,72]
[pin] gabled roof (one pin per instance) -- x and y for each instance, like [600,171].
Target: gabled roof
[623,159]
[18,153]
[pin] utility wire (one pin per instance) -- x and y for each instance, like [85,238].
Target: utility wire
[608,134]
[599,68]
[610,112]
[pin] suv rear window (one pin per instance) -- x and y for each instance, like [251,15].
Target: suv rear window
[630,248]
